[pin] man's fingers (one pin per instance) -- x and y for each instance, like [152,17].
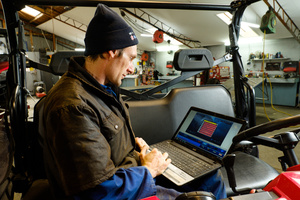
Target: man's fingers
[168,161]
[144,149]
[140,142]
[165,155]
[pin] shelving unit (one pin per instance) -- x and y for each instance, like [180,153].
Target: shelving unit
[272,60]
[281,87]
[255,62]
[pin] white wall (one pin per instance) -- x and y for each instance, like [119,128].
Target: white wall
[160,59]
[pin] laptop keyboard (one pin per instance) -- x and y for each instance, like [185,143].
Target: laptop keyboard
[188,163]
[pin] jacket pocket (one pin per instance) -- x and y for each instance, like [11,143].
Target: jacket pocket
[112,126]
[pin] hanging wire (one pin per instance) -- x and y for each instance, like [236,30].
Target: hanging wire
[272,100]
[135,25]
[141,29]
[46,40]
[263,76]
[263,59]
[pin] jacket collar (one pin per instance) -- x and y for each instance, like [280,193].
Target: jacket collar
[76,68]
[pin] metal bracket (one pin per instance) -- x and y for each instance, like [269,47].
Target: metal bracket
[225,58]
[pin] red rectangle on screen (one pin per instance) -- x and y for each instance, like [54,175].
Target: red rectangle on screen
[208,128]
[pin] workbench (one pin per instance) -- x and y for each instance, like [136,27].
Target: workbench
[285,91]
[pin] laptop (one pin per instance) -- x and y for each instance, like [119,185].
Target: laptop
[199,144]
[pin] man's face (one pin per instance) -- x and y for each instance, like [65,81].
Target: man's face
[120,66]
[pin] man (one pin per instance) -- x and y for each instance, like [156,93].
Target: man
[89,143]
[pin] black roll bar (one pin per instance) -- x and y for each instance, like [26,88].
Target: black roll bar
[133,4]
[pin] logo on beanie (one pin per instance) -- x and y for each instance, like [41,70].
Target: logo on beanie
[132,35]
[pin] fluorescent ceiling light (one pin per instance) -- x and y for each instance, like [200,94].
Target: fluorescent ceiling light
[31,11]
[245,30]
[167,48]
[146,35]
[79,49]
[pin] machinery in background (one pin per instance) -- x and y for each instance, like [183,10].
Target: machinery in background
[286,83]
[268,22]
[218,74]
[40,89]
[291,69]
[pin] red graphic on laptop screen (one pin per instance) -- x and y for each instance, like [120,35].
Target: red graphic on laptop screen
[207,128]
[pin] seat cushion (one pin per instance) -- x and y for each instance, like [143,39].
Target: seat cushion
[250,172]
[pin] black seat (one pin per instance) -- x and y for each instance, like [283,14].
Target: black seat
[40,188]
[6,155]
[250,173]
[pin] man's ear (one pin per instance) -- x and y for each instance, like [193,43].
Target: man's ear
[113,53]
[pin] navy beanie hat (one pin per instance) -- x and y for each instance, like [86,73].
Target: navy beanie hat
[107,31]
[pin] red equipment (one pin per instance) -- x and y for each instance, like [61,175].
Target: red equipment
[151,198]
[158,36]
[287,185]
[144,57]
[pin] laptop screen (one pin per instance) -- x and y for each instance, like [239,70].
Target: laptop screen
[208,131]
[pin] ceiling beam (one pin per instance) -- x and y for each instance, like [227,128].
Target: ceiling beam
[285,19]
[66,20]
[72,22]
[145,17]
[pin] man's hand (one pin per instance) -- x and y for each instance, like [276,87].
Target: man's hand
[141,143]
[155,161]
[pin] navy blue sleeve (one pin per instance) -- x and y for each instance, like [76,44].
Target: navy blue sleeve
[132,183]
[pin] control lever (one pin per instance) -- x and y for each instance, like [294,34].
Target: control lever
[228,162]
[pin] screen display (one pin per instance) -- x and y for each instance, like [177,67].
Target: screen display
[209,133]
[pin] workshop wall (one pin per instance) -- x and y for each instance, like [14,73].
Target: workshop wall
[288,47]
[161,59]
[39,42]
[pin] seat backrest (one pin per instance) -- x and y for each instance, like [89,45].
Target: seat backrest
[6,158]
[157,120]
[60,61]
[38,169]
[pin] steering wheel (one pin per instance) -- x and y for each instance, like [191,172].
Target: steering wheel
[266,127]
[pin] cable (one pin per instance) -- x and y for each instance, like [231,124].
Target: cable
[135,25]
[141,29]
[277,109]
[46,40]
[263,59]
[272,100]
[263,76]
